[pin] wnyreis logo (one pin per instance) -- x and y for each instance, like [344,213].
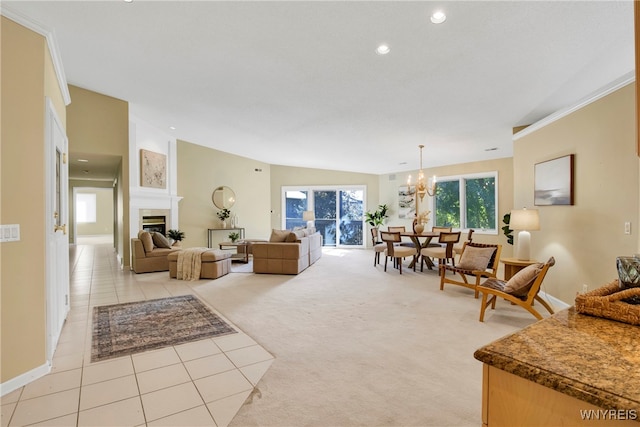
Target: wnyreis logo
[608,414]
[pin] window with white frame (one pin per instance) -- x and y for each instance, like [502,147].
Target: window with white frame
[85,207]
[468,201]
[338,212]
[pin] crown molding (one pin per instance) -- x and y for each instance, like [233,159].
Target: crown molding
[54,51]
[610,88]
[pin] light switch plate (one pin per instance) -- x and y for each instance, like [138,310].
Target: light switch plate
[10,233]
[627,227]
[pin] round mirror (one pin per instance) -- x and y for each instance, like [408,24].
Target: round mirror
[223,197]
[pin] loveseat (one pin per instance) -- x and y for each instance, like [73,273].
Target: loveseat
[287,252]
[149,252]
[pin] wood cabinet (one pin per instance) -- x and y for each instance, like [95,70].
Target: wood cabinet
[509,400]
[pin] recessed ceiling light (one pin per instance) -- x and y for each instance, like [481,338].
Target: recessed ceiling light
[128,1]
[83,160]
[438,17]
[491,149]
[383,49]
[172,127]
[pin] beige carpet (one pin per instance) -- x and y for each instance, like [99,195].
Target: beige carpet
[356,346]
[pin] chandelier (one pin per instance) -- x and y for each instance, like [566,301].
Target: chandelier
[421,187]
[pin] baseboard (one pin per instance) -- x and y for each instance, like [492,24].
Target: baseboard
[555,302]
[24,379]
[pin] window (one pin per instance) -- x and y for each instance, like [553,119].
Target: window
[467,201]
[339,212]
[85,207]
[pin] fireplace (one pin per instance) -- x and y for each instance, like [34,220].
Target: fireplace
[155,223]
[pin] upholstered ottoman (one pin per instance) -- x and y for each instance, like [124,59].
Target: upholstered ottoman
[215,263]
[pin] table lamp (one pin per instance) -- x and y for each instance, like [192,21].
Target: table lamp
[524,220]
[309,216]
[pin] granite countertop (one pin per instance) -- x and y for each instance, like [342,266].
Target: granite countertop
[592,359]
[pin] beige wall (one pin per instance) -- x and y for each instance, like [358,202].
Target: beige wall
[27,77]
[200,171]
[389,194]
[104,212]
[282,176]
[585,238]
[99,124]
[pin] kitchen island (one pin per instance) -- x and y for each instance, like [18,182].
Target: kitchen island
[563,370]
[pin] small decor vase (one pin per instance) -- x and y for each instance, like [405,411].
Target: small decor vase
[419,228]
[224,224]
[628,271]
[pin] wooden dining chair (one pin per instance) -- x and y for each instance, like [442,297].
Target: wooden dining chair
[438,229]
[397,253]
[458,246]
[521,290]
[444,252]
[401,229]
[378,245]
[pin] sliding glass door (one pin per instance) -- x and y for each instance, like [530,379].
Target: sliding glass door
[339,212]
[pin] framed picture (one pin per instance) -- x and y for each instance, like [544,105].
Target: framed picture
[554,182]
[406,201]
[153,169]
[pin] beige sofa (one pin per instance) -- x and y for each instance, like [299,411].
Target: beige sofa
[287,252]
[146,257]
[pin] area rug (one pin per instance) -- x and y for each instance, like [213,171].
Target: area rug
[123,329]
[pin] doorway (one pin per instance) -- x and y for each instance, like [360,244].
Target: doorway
[93,214]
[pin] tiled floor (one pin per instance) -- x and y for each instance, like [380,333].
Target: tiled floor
[203,383]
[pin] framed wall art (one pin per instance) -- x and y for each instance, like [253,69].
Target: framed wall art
[406,201]
[153,169]
[553,181]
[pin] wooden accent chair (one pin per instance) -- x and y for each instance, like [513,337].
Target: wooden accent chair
[396,252]
[478,260]
[378,246]
[522,289]
[441,253]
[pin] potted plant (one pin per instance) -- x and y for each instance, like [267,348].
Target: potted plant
[234,236]
[506,230]
[176,236]
[223,215]
[377,217]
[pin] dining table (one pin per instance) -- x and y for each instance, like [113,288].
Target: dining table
[421,240]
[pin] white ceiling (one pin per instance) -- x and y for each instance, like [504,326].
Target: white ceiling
[299,83]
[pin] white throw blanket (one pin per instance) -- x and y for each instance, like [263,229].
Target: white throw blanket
[189,263]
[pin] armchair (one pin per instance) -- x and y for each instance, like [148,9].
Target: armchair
[522,289]
[477,260]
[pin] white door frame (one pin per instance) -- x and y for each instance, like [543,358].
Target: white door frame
[57,238]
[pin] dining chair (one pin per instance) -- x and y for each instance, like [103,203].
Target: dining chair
[378,245]
[477,261]
[400,229]
[438,229]
[396,252]
[458,246]
[521,290]
[441,253]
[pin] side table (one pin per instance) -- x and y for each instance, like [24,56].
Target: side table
[241,256]
[513,265]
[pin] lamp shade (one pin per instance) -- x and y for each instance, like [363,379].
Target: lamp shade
[308,216]
[524,219]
